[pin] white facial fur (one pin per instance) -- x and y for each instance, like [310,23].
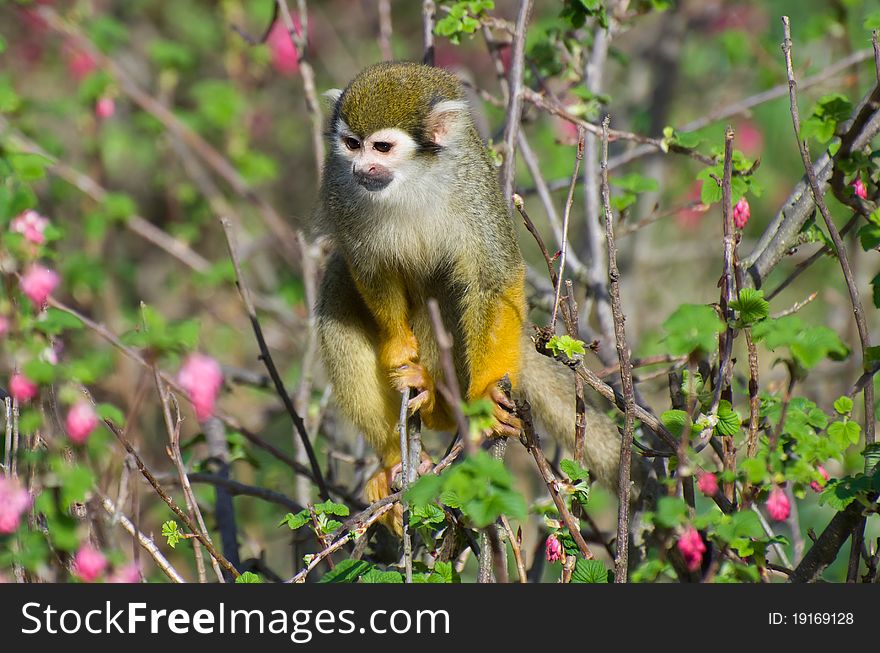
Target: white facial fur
[410,225]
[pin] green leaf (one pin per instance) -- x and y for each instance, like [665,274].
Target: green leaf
[844,433]
[843,405]
[808,344]
[869,236]
[39,372]
[635,183]
[692,327]
[172,533]
[218,102]
[574,471]
[27,166]
[671,511]
[729,421]
[295,521]
[676,422]
[751,306]
[589,571]
[567,345]
[111,412]
[330,508]
[375,576]
[346,571]
[248,578]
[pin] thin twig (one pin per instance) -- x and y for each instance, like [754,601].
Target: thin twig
[514,101]
[176,509]
[266,357]
[533,446]
[840,250]
[145,541]
[624,482]
[579,156]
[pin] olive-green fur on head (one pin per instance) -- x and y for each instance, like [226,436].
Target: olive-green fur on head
[400,95]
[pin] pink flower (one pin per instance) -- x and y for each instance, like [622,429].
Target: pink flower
[553,549]
[32,225]
[81,421]
[127,574]
[89,563]
[859,188]
[105,107]
[38,283]
[4,325]
[692,548]
[778,506]
[815,484]
[14,501]
[707,484]
[285,58]
[22,388]
[741,213]
[201,377]
[80,64]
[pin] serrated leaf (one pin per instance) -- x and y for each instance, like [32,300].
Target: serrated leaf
[295,521]
[676,422]
[729,421]
[751,306]
[248,578]
[346,571]
[692,327]
[331,508]
[843,405]
[574,471]
[589,571]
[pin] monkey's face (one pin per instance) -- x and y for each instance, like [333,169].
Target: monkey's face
[381,160]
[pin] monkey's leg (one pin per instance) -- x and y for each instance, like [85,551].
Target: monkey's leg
[364,394]
[494,349]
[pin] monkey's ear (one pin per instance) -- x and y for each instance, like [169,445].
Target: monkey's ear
[446,121]
[331,97]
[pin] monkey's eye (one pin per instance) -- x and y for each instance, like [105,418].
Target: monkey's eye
[351,143]
[383,146]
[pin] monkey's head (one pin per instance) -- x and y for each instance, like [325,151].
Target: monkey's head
[392,124]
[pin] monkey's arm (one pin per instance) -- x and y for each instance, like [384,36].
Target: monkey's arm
[385,296]
[493,329]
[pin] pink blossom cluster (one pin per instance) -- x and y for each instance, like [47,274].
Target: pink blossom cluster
[81,421]
[707,484]
[553,549]
[692,548]
[14,502]
[859,188]
[201,378]
[89,563]
[22,388]
[31,225]
[38,283]
[741,213]
[778,505]
[285,58]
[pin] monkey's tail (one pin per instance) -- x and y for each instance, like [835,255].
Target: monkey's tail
[549,387]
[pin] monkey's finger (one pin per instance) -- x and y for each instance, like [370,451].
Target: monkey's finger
[504,417]
[498,396]
[502,430]
[417,402]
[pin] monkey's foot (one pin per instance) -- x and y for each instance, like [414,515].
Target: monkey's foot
[507,424]
[379,487]
[414,375]
[396,472]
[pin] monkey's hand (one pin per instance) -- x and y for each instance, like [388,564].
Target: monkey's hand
[506,423]
[414,375]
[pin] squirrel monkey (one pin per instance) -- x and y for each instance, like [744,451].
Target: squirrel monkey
[412,204]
